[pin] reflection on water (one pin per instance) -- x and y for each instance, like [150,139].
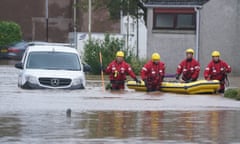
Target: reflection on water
[110,124]
[175,126]
[122,126]
[39,116]
[10,126]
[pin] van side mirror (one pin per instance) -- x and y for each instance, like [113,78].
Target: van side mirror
[19,65]
[86,67]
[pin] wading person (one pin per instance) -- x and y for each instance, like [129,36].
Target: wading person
[189,68]
[217,70]
[117,70]
[153,73]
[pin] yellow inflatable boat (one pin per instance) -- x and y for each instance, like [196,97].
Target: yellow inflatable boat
[197,87]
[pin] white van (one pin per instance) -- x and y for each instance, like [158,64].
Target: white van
[51,66]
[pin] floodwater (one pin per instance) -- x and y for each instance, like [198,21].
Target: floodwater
[39,116]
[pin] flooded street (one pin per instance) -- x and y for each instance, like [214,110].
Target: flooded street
[39,116]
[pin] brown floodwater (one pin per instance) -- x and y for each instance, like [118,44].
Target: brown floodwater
[39,116]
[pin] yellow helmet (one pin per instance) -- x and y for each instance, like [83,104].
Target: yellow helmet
[216,54]
[120,54]
[190,50]
[155,56]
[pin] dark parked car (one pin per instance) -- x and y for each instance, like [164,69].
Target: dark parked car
[16,50]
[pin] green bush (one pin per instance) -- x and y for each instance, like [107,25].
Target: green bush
[108,47]
[137,64]
[233,93]
[10,32]
[91,55]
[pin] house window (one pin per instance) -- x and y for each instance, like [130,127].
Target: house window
[175,19]
[164,20]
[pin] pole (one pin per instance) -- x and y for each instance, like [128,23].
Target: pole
[121,18]
[75,24]
[102,77]
[127,24]
[197,31]
[33,30]
[46,8]
[137,33]
[89,18]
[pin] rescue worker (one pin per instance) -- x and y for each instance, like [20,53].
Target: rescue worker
[153,73]
[117,71]
[217,70]
[189,68]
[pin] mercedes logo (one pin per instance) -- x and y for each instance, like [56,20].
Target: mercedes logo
[55,82]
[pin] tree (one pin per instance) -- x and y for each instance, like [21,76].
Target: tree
[127,6]
[115,6]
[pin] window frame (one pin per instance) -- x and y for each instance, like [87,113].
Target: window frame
[175,12]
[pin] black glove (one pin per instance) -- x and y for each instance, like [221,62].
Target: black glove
[177,76]
[137,81]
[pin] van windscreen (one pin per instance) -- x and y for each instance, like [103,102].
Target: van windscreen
[53,61]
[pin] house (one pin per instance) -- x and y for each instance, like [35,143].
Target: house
[204,25]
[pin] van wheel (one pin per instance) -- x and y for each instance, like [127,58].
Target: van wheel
[25,86]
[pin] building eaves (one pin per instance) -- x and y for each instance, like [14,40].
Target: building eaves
[174,3]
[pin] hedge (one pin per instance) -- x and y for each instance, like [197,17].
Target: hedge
[10,32]
[108,47]
[233,93]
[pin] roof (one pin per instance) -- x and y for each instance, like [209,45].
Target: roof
[49,48]
[177,3]
[48,43]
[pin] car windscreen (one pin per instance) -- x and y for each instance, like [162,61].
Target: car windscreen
[53,61]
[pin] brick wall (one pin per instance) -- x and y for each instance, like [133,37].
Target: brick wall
[30,14]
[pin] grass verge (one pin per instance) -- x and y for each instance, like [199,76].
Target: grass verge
[233,93]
